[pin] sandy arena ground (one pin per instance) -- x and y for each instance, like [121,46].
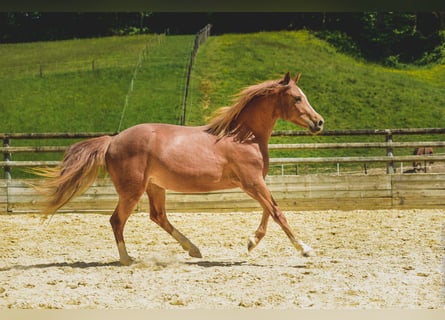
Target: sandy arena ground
[365,259]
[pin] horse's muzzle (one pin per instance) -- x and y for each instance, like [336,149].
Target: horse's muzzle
[316,127]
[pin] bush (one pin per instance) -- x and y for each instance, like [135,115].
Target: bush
[437,55]
[341,41]
[130,31]
[392,61]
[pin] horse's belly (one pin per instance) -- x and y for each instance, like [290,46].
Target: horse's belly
[192,176]
[191,183]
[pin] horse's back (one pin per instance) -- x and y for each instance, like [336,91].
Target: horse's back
[150,129]
[148,136]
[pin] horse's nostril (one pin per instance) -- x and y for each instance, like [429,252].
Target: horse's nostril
[320,123]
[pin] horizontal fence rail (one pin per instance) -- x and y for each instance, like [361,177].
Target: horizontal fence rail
[358,159]
[55,135]
[361,132]
[360,145]
[20,164]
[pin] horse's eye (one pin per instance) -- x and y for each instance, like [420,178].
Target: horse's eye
[297,99]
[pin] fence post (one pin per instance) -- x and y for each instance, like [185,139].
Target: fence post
[200,37]
[7,157]
[389,153]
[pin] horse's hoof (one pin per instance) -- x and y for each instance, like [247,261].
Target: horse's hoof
[251,244]
[127,261]
[309,253]
[195,253]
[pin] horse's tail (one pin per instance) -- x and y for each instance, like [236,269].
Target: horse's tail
[80,167]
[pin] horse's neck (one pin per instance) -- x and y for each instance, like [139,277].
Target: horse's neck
[260,118]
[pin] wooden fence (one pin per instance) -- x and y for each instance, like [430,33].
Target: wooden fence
[308,192]
[297,192]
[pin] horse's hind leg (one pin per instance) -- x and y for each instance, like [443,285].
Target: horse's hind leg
[120,216]
[158,214]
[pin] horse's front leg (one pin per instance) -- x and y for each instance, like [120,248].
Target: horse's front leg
[260,192]
[280,218]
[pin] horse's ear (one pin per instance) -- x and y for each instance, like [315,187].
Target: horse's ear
[297,78]
[286,79]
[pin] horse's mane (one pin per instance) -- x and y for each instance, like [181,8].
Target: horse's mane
[223,121]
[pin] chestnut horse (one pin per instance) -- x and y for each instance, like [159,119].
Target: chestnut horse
[417,165]
[230,151]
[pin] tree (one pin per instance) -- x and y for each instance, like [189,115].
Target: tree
[398,36]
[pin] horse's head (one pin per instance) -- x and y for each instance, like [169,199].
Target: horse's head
[296,108]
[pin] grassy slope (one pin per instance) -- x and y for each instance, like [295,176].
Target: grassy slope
[70,97]
[159,85]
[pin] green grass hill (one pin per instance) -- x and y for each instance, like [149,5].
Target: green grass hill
[82,85]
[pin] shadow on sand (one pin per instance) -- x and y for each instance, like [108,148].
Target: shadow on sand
[211,264]
[85,265]
[78,264]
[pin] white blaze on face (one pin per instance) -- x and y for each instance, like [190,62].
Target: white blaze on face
[305,98]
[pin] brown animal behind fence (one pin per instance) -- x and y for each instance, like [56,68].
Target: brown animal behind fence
[417,165]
